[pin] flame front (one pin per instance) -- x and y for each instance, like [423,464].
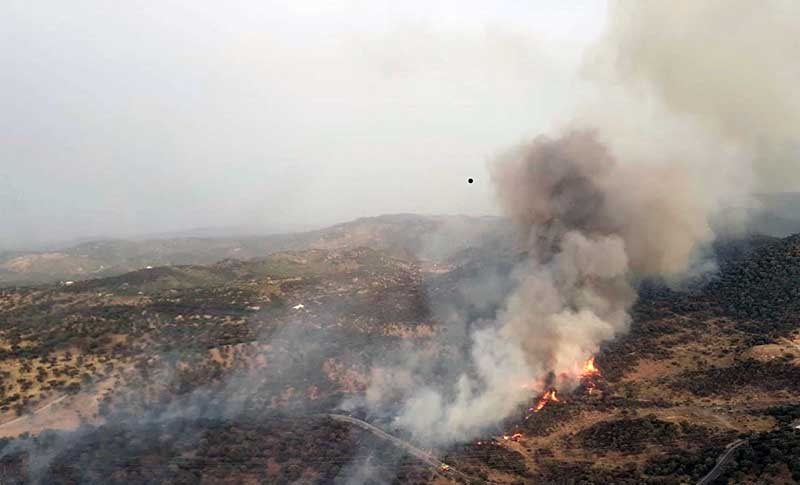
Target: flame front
[589,369]
[588,373]
[546,398]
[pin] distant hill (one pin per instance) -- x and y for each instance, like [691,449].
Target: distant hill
[431,238]
[434,238]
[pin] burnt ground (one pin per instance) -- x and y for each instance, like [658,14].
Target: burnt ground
[177,344]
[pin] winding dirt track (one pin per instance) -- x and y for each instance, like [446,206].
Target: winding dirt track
[35,412]
[721,462]
[441,467]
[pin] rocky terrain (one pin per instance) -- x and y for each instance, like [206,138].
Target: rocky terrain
[227,372]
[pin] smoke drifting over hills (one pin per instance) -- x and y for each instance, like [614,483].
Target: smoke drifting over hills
[135,119]
[729,66]
[686,111]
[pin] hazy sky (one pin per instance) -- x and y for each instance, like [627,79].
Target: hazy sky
[127,118]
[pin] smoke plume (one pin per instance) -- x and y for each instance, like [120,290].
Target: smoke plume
[691,100]
[728,66]
[591,226]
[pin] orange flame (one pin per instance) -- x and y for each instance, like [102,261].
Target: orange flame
[588,372]
[589,369]
[546,398]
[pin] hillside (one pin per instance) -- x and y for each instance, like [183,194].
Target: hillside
[429,238]
[433,238]
[223,373]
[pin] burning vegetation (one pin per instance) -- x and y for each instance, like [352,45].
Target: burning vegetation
[546,398]
[589,375]
[598,210]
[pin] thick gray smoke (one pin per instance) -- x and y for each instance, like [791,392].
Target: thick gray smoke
[728,65]
[685,113]
[591,225]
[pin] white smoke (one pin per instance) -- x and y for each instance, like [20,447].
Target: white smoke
[686,113]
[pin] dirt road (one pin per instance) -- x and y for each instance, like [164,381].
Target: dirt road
[35,411]
[441,467]
[721,462]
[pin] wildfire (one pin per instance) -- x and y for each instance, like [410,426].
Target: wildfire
[513,437]
[589,369]
[588,373]
[546,398]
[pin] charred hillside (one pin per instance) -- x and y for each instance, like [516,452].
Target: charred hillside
[215,372]
[763,285]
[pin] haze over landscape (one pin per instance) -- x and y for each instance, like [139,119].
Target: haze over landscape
[151,117]
[449,242]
